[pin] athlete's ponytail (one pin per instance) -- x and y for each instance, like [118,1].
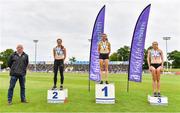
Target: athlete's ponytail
[62,47]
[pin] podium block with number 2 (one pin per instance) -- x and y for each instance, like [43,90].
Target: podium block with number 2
[57,96]
[105,93]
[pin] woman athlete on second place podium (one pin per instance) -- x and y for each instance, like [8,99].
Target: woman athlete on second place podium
[59,53]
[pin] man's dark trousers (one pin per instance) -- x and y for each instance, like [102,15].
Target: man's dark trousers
[13,81]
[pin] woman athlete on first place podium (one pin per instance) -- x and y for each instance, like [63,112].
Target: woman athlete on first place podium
[104,49]
[155,63]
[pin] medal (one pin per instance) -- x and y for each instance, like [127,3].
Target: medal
[104,46]
[59,52]
[155,54]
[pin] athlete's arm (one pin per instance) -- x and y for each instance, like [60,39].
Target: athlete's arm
[148,58]
[162,59]
[64,53]
[54,53]
[109,48]
[99,47]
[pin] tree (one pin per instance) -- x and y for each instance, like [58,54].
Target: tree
[72,59]
[174,56]
[122,54]
[113,57]
[4,56]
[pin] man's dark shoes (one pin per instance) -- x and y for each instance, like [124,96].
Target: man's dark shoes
[9,102]
[24,101]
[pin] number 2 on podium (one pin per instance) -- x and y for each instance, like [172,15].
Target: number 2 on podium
[105,89]
[55,95]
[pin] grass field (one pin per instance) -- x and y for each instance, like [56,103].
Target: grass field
[80,100]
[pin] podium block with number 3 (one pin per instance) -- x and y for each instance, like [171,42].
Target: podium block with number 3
[157,100]
[57,96]
[105,93]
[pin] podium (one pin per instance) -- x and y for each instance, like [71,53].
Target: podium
[105,93]
[157,100]
[57,96]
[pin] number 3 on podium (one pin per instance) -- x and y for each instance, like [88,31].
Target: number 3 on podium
[159,100]
[105,89]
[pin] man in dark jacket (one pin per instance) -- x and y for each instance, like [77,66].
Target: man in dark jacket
[17,63]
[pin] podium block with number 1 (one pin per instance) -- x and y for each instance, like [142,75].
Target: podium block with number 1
[105,93]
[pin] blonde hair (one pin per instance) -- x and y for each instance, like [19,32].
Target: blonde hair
[155,43]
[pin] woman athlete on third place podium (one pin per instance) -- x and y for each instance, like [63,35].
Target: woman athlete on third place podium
[104,49]
[155,63]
